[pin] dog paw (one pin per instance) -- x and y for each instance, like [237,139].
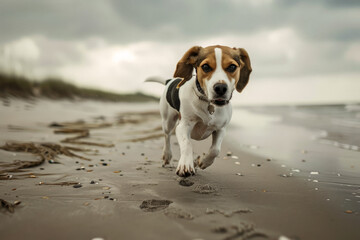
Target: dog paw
[205,162]
[185,170]
[166,158]
[196,161]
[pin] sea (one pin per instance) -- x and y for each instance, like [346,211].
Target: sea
[318,144]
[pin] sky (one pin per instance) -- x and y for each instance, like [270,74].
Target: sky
[301,51]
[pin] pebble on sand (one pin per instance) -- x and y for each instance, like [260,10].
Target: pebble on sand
[77,185]
[53,162]
[284,238]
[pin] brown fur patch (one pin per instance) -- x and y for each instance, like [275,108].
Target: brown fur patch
[211,61]
[181,83]
[185,66]
[227,60]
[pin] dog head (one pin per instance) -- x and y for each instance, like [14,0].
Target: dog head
[219,70]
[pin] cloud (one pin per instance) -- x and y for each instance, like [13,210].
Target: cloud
[20,55]
[352,54]
[279,57]
[58,19]
[160,20]
[115,45]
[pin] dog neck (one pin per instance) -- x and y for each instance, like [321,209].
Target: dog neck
[199,92]
[199,87]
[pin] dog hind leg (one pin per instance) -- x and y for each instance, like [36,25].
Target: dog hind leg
[169,120]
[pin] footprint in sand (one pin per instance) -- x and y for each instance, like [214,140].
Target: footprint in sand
[243,231]
[178,213]
[205,189]
[154,205]
[186,182]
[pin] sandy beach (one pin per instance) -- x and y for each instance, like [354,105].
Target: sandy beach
[96,173]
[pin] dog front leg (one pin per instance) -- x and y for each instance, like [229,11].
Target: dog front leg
[217,138]
[185,166]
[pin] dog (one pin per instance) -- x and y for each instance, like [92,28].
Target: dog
[199,105]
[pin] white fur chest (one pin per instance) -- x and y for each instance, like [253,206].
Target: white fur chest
[206,124]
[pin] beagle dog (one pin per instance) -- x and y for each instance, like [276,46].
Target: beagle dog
[199,105]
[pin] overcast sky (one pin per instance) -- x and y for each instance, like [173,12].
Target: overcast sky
[301,51]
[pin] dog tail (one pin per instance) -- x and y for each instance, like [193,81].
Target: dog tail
[156,79]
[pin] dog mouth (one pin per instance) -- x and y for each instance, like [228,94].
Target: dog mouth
[220,102]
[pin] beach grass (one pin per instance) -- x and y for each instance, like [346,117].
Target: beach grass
[12,85]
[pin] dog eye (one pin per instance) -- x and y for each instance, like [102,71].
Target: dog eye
[231,68]
[206,68]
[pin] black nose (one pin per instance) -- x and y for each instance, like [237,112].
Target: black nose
[220,88]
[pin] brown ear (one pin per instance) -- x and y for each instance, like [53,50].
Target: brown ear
[185,66]
[245,69]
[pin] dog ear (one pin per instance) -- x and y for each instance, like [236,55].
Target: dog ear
[245,69]
[185,66]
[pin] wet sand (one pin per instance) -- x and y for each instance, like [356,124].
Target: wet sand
[115,187]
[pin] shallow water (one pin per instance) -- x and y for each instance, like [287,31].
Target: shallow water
[319,145]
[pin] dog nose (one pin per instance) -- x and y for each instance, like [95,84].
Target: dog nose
[220,88]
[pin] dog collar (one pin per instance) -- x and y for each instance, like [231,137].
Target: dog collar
[202,97]
[199,87]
